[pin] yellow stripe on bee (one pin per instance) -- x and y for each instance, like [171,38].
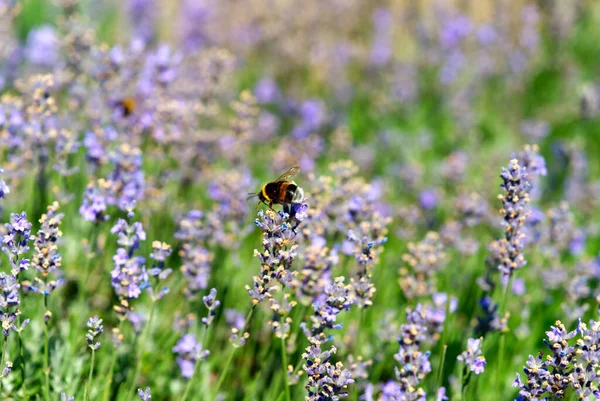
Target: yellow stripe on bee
[264,193]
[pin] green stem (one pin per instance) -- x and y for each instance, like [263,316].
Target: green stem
[503,335]
[46,353]
[230,358]
[2,366]
[89,382]
[223,374]
[191,380]
[111,368]
[284,361]
[140,355]
[465,384]
[441,368]
[21,354]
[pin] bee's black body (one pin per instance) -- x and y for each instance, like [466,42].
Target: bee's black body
[279,192]
[282,191]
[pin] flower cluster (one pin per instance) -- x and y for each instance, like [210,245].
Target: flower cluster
[424,259]
[189,352]
[472,356]
[507,252]
[279,251]
[95,328]
[366,251]
[158,272]
[315,272]
[4,189]
[326,381]
[145,395]
[196,259]
[490,320]
[127,279]
[413,361]
[18,234]
[337,297]
[9,299]
[47,259]
[566,367]
[211,303]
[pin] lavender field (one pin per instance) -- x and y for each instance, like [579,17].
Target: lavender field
[437,237]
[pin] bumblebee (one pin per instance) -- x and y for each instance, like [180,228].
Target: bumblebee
[127,106]
[282,191]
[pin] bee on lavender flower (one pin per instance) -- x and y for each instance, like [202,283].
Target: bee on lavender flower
[127,106]
[282,191]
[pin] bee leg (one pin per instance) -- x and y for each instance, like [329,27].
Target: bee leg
[271,206]
[258,204]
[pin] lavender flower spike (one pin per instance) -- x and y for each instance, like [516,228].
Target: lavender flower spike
[472,356]
[507,252]
[4,189]
[144,395]
[95,328]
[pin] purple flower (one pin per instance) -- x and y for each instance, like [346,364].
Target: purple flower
[9,291]
[279,251]
[567,366]
[43,46]
[441,394]
[94,204]
[47,259]
[507,252]
[423,260]
[413,361]
[18,234]
[95,328]
[472,356]
[235,318]
[189,352]
[195,18]
[326,381]
[4,189]
[65,397]
[144,394]
[428,199]
[266,91]
[211,303]
[128,276]
[142,14]
[337,297]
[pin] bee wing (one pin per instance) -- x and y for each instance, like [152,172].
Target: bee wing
[289,174]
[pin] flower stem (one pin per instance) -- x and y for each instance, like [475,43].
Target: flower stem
[503,335]
[288,395]
[88,385]
[191,380]
[230,358]
[2,366]
[46,353]
[441,368]
[111,368]
[140,355]
[21,354]
[223,374]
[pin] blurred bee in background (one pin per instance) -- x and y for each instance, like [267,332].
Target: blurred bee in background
[127,106]
[282,191]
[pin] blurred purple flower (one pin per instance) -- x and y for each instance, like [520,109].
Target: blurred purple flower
[42,46]
[189,352]
[428,199]
[472,356]
[266,91]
